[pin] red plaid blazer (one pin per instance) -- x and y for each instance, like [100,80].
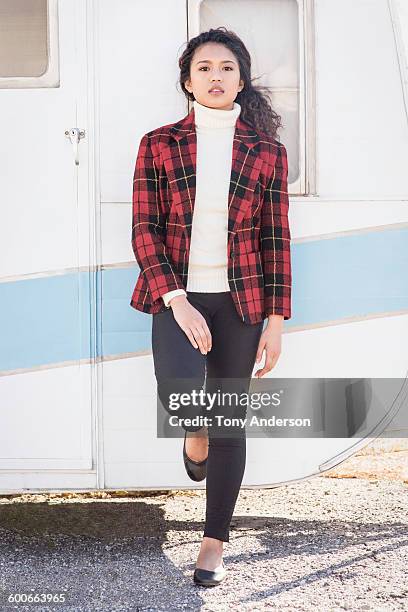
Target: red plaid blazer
[259,262]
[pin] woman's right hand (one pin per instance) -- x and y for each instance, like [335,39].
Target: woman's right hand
[192,323]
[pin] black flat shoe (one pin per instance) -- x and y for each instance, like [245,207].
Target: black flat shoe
[209,578]
[197,470]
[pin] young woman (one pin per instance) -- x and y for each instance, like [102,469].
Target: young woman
[211,237]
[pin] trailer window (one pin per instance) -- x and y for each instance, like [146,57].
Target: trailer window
[26,30]
[273,32]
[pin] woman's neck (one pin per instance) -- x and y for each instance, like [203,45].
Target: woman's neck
[207,117]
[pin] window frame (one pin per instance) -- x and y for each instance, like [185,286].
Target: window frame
[50,78]
[305,184]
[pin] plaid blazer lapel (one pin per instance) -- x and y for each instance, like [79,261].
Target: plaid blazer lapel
[180,163]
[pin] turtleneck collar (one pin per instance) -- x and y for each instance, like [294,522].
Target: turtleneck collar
[215,117]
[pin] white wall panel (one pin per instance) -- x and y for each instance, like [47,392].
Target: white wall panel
[362,130]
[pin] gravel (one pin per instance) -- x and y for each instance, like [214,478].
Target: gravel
[320,544]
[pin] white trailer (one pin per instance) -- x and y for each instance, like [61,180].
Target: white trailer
[82,81]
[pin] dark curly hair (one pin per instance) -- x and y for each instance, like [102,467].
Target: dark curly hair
[255,108]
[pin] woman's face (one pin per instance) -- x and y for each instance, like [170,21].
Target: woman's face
[214,65]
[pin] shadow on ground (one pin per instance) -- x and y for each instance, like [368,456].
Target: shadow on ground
[116,555]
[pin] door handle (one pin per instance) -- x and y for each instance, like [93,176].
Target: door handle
[75,135]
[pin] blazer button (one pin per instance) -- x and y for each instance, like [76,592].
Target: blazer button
[232,254]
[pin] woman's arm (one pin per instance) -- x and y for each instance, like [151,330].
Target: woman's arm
[275,241]
[148,226]
[276,261]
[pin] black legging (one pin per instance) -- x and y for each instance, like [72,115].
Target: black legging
[179,367]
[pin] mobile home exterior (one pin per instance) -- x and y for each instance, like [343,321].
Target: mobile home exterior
[81,82]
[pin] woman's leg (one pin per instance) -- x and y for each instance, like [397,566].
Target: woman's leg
[178,366]
[225,470]
[229,369]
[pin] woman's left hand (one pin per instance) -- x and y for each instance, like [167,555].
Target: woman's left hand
[270,342]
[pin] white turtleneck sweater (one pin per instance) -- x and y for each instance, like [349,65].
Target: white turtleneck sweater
[208,259]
